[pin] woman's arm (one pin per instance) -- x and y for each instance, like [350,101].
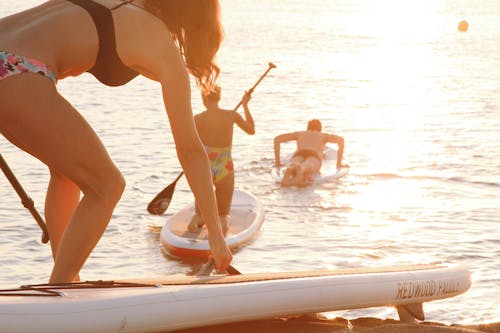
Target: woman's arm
[194,161]
[163,62]
[246,124]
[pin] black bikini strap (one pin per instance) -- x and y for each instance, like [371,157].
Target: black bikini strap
[125,2]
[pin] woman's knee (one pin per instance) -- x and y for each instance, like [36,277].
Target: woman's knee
[116,186]
[60,180]
[108,186]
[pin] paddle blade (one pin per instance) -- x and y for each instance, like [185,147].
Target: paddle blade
[207,268]
[232,271]
[159,205]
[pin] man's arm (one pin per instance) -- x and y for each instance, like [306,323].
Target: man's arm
[277,141]
[246,124]
[332,138]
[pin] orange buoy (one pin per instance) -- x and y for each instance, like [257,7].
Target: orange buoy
[463,26]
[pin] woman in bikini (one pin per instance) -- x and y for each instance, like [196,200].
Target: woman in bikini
[308,156]
[215,127]
[115,40]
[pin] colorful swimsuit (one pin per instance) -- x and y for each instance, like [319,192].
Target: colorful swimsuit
[11,64]
[221,162]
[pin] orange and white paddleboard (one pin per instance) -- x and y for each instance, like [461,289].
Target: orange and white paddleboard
[247,217]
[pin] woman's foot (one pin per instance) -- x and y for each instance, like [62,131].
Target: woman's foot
[195,223]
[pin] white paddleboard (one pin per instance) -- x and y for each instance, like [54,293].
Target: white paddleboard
[247,217]
[328,171]
[186,302]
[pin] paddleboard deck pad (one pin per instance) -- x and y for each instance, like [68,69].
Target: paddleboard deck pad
[328,171]
[179,302]
[247,217]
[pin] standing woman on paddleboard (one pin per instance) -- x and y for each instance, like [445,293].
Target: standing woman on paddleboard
[215,127]
[115,41]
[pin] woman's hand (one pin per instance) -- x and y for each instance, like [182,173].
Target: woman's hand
[246,98]
[221,253]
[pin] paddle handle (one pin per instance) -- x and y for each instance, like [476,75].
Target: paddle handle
[250,91]
[25,199]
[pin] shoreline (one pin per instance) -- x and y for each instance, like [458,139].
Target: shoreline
[309,324]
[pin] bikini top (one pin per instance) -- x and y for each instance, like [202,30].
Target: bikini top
[108,67]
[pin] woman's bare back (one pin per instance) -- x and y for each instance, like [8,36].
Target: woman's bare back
[215,127]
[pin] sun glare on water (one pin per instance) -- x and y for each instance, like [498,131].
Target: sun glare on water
[394,79]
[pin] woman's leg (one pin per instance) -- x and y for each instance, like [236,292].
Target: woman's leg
[224,190]
[36,118]
[60,203]
[196,220]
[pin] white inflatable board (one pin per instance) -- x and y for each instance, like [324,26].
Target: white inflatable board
[174,303]
[328,171]
[247,216]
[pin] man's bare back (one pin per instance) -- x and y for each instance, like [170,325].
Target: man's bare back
[311,140]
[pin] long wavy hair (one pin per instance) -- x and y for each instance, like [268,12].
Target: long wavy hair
[197,30]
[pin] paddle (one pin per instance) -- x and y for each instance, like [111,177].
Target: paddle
[161,201]
[25,199]
[250,91]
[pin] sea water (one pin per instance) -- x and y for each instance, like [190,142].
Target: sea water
[417,101]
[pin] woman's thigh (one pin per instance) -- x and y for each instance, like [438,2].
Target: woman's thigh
[224,190]
[36,118]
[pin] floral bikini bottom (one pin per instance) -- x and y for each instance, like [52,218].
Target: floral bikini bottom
[11,64]
[221,163]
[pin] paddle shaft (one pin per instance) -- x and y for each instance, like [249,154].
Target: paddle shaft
[178,177]
[250,91]
[168,194]
[25,199]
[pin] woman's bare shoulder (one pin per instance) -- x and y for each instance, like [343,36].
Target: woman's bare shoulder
[144,41]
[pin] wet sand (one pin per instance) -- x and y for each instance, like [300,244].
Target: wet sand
[341,325]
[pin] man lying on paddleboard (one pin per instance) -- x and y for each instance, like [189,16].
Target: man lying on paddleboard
[308,156]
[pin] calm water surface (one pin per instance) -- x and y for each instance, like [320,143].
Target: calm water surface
[417,102]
